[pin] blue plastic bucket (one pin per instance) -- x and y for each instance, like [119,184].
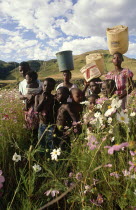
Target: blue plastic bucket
[65,60]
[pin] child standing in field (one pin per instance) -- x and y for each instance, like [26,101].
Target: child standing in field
[67,77]
[76,107]
[65,118]
[46,105]
[122,78]
[32,89]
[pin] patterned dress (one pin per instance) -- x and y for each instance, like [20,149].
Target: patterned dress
[121,80]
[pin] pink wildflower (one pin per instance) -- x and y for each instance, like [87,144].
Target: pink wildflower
[51,192]
[71,174]
[92,143]
[115,174]
[126,173]
[79,176]
[101,100]
[108,165]
[2,179]
[99,199]
[116,147]
[132,153]
[133,166]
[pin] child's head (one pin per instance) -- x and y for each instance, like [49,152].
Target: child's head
[62,94]
[31,77]
[76,95]
[108,87]
[24,68]
[95,85]
[117,59]
[92,99]
[48,85]
[67,75]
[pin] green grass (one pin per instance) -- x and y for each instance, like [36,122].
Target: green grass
[50,68]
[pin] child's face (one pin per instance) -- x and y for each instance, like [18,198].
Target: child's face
[117,60]
[47,87]
[28,79]
[22,71]
[66,76]
[61,97]
[94,88]
[105,90]
[92,102]
[77,96]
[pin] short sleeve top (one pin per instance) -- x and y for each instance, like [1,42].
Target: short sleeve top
[120,79]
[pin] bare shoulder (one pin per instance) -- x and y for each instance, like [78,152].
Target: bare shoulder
[38,97]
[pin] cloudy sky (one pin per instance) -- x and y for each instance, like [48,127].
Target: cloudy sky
[37,29]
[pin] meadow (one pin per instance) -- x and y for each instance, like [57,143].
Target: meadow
[98,171]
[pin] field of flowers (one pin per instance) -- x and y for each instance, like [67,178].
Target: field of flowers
[97,172]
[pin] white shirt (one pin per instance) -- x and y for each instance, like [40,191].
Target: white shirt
[23,84]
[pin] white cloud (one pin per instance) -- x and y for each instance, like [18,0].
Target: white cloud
[79,46]
[60,25]
[132,50]
[91,18]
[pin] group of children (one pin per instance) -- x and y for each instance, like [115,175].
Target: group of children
[51,113]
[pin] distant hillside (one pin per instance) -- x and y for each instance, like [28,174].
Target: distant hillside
[9,71]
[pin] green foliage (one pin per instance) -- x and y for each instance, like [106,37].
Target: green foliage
[9,71]
[82,176]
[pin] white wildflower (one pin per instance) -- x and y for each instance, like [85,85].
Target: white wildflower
[135,192]
[97,114]
[16,157]
[85,102]
[109,120]
[122,117]
[112,139]
[133,176]
[101,119]
[55,153]
[111,131]
[37,168]
[116,103]
[109,112]
[98,106]
[132,114]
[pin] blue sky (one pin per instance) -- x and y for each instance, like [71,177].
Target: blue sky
[37,29]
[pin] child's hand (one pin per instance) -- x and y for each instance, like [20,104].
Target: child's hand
[29,97]
[44,96]
[86,84]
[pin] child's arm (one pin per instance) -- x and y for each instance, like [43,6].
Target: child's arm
[86,85]
[39,102]
[129,90]
[72,115]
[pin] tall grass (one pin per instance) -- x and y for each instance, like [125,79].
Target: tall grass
[86,177]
